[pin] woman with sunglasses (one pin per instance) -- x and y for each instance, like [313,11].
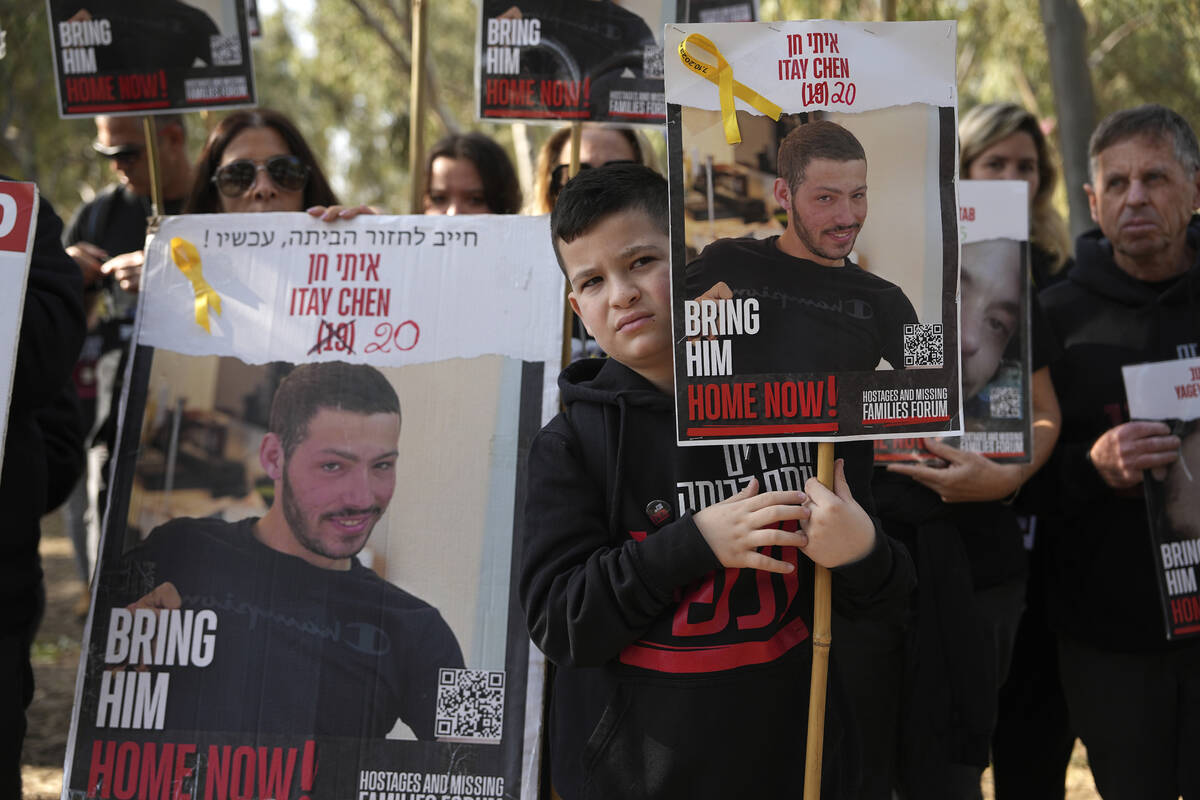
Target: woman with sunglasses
[598,146]
[257,160]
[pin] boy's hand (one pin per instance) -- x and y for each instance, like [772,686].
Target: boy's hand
[839,531]
[737,526]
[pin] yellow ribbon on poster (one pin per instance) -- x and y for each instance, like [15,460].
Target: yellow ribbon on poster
[727,88]
[187,258]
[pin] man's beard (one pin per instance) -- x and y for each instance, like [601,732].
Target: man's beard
[300,527]
[810,242]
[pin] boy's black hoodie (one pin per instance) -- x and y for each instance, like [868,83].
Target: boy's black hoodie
[1103,588]
[675,676]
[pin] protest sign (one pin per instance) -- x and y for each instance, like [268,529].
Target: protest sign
[1169,391]
[770,346]
[995,303]
[595,60]
[18,222]
[149,56]
[307,575]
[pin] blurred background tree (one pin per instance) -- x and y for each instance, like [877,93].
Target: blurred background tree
[341,69]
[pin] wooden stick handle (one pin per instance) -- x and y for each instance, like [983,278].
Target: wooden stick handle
[151,131]
[822,639]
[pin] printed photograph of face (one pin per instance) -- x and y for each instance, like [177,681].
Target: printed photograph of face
[398,492]
[990,301]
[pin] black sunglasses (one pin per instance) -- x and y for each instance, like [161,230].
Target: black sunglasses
[288,172]
[560,175]
[119,153]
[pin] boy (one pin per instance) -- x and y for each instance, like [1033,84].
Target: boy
[680,638]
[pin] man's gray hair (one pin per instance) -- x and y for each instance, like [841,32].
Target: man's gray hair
[1149,120]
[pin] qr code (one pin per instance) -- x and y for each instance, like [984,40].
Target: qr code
[652,61]
[470,705]
[226,51]
[923,345]
[1004,402]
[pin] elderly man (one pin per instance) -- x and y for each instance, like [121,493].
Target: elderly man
[1133,296]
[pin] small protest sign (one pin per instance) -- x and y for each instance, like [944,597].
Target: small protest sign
[596,60]
[1169,391]
[996,357]
[149,56]
[18,223]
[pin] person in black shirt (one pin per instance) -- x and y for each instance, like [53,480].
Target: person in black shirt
[818,310]
[328,646]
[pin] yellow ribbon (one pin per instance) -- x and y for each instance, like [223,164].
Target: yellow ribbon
[187,258]
[727,88]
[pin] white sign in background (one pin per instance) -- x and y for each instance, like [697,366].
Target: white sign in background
[993,210]
[18,213]
[1163,389]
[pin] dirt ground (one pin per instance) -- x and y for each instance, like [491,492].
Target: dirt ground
[56,662]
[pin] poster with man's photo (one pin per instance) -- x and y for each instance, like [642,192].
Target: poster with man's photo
[149,56]
[994,326]
[306,582]
[798,315]
[1169,392]
[18,224]
[575,60]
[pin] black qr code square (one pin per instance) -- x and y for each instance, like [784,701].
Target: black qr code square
[652,61]
[1004,402]
[923,345]
[226,50]
[470,705]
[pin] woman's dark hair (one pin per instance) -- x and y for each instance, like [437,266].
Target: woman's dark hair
[501,189]
[204,197]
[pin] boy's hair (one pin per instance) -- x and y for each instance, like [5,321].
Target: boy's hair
[1153,120]
[819,139]
[336,385]
[595,194]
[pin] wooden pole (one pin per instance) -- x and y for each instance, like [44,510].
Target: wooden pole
[416,110]
[822,638]
[568,315]
[151,132]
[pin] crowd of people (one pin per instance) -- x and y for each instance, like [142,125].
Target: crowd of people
[990,613]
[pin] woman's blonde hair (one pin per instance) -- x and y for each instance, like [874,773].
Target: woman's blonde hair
[984,126]
[551,153]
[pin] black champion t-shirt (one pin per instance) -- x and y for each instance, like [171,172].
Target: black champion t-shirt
[812,318]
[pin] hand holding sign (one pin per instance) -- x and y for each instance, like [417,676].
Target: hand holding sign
[1122,453]
[738,526]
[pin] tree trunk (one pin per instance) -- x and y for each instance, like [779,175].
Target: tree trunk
[1066,42]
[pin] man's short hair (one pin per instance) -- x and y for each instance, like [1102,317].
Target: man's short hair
[359,388]
[818,139]
[595,194]
[1153,120]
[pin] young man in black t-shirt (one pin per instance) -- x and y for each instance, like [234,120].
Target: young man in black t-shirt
[818,310]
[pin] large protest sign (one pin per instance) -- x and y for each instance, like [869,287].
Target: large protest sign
[149,56]
[598,60]
[783,347]
[1169,391]
[995,327]
[306,584]
[18,223]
